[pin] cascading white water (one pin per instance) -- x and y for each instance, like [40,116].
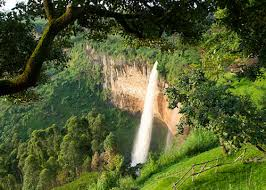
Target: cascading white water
[143,138]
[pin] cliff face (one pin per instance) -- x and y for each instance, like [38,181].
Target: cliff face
[127,82]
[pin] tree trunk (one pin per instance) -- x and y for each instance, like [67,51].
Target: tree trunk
[32,70]
[30,75]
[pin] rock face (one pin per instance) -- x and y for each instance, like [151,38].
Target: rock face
[127,83]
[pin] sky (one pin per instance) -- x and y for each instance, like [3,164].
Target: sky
[11,4]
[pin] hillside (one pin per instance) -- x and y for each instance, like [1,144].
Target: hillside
[248,172]
[67,98]
[163,171]
[237,175]
[133,95]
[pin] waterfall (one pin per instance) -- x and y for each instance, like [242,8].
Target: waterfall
[143,138]
[169,141]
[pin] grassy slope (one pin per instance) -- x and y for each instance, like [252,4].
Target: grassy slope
[233,176]
[81,182]
[236,176]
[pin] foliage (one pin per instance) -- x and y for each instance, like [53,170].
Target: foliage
[177,54]
[107,180]
[254,89]
[247,18]
[16,42]
[198,141]
[19,35]
[52,108]
[143,19]
[64,150]
[85,181]
[208,105]
[221,48]
[57,154]
[54,156]
[148,25]
[109,143]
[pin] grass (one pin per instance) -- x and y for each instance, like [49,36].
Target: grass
[198,141]
[234,176]
[82,182]
[256,90]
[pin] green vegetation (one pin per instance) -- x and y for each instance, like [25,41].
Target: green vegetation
[35,147]
[255,90]
[170,62]
[237,175]
[55,102]
[244,171]
[200,78]
[207,105]
[57,138]
[136,18]
[63,131]
[198,141]
[14,29]
[81,183]
[223,106]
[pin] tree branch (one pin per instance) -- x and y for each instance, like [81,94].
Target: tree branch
[49,9]
[121,18]
[109,14]
[33,67]
[30,75]
[128,28]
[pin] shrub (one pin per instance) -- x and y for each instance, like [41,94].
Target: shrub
[107,180]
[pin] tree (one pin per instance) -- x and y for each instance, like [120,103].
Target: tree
[248,19]
[108,180]
[144,19]
[86,166]
[44,180]
[8,183]
[109,142]
[31,172]
[75,146]
[95,162]
[235,120]
[98,130]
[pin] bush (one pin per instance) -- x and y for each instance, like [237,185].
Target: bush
[198,141]
[107,180]
[127,183]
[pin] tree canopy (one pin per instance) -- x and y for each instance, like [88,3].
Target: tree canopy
[140,18]
[143,19]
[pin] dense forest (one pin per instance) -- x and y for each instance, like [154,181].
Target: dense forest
[60,130]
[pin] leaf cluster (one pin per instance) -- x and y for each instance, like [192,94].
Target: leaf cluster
[234,119]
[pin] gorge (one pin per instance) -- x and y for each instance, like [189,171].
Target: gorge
[127,82]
